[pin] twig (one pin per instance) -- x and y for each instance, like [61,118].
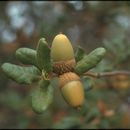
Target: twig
[105,74]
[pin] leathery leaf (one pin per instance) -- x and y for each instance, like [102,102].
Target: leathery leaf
[42,97]
[79,54]
[43,56]
[26,56]
[89,61]
[22,75]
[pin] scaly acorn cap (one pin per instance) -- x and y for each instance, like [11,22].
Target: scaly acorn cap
[62,54]
[62,67]
[72,89]
[67,77]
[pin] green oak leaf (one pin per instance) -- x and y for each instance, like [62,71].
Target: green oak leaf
[90,61]
[26,56]
[79,54]
[87,82]
[42,97]
[22,75]
[43,56]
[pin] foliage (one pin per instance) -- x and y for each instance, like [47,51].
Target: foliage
[43,96]
[88,24]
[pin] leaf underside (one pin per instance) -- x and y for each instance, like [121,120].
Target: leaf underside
[42,97]
[22,75]
[26,56]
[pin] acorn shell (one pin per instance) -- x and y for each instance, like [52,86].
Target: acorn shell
[61,48]
[73,93]
[72,89]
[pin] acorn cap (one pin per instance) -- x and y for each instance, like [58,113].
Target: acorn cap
[68,77]
[61,49]
[61,67]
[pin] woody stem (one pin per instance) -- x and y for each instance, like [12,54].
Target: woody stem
[105,74]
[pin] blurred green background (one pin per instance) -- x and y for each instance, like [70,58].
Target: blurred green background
[89,24]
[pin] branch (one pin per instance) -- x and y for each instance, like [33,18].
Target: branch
[105,74]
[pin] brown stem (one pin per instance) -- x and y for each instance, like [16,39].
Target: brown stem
[105,74]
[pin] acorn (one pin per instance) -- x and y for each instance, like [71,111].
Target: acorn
[62,54]
[72,89]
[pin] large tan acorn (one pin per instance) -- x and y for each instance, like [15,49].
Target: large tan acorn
[62,54]
[72,89]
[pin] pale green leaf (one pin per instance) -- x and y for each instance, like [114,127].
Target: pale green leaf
[42,97]
[22,75]
[90,61]
[43,56]
[26,56]
[79,54]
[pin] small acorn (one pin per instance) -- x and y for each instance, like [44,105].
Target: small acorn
[72,89]
[62,54]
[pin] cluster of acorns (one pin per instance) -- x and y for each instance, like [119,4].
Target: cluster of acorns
[59,59]
[71,87]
